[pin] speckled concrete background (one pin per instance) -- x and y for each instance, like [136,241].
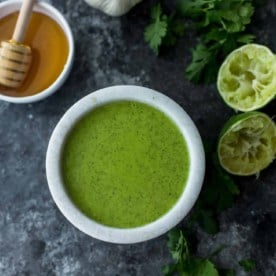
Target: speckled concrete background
[35,239]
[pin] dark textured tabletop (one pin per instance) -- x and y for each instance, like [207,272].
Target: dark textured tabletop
[35,238]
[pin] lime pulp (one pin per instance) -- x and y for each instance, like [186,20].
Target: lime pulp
[247,143]
[247,78]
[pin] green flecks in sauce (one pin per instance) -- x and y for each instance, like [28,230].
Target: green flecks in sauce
[125,164]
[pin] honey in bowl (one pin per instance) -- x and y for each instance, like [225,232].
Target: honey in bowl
[49,50]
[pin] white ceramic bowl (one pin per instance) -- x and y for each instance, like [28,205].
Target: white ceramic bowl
[164,223]
[11,6]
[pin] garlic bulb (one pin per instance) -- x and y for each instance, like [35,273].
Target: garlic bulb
[113,7]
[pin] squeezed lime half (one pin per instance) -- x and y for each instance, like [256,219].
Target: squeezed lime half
[247,143]
[247,78]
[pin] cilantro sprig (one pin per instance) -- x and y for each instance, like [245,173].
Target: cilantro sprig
[158,28]
[220,24]
[247,264]
[219,193]
[185,263]
[163,29]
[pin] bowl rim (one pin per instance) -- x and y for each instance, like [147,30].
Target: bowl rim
[165,222]
[62,22]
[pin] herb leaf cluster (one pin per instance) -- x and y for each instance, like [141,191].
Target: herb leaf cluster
[247,264]
[220,24]
[219,193]
[157,30]
[186,264]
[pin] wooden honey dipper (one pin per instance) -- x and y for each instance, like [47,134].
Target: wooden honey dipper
[15,57]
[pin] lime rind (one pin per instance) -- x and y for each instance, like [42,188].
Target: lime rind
[247,78]
[247,143]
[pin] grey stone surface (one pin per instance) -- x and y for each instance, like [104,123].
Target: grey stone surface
[35,239]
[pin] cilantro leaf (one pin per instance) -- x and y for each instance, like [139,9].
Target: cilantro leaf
[169,270]
[206,219]
[224,188]
[207,54]
[199,267]
[201,58]
[221,25]
[245,39]
[194,8]
[176,28]
[177,245]
[186,264]
[209,222]
[218,193]
[157,30]
[248,264]
[163,30]
[232,15]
